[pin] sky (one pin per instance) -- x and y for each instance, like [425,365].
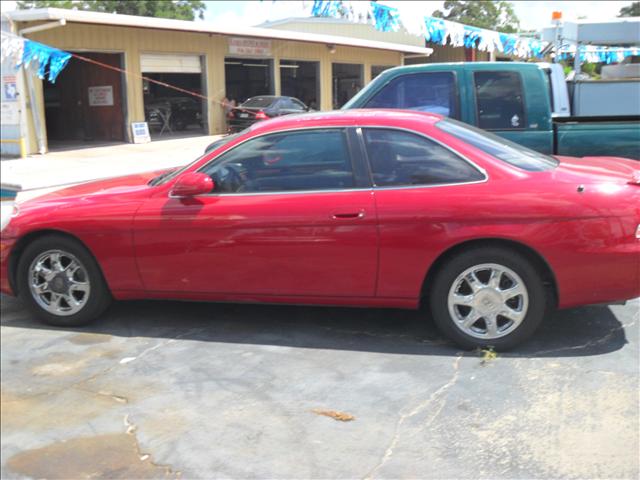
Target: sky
[533,15]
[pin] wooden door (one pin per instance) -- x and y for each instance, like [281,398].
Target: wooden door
[103,121]
[70,114]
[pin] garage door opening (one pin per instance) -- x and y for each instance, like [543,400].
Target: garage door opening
[378,69]
[85,106]
[247,77]
[170,112]
[301,80]
[347,81]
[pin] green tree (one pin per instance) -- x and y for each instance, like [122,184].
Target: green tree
[632,10]
[492,15]
[178,9]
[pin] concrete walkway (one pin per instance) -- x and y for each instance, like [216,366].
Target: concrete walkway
[42,173]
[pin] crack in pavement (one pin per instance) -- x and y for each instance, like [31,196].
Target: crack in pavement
[132,428]
[416,410]
[126,360]
[591,343]
[100,393]
[104,371]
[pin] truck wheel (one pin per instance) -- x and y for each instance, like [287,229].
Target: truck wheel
[59,280]
[488,297]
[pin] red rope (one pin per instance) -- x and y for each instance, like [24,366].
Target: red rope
[158,82]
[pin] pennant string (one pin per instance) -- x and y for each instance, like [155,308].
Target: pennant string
[442,32]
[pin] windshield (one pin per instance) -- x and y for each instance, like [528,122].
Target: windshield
[166,176]
[258,102]
[498,147]
[223,141]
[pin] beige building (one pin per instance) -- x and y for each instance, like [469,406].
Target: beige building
[127,61]
[343,27]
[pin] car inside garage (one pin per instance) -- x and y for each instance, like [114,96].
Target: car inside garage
[247,77]
[301,80]
[168,111]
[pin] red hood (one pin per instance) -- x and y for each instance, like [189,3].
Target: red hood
[116,185]
[598,169]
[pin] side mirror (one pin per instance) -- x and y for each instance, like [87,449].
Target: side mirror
[192,184]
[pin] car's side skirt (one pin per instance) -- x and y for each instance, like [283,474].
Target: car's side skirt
[363,302]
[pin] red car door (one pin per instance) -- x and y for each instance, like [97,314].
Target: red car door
[424,192]
[287,216]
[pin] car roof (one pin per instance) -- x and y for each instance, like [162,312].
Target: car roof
[345,118]
[275,97]
[263,96]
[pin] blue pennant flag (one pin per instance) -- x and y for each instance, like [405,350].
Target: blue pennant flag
[46,56]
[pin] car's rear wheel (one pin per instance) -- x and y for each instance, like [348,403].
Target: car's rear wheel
[488,297]
[61,282]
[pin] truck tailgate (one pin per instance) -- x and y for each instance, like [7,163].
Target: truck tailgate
[587,138]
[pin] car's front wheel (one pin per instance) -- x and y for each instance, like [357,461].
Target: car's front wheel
[61,282]
[488,297]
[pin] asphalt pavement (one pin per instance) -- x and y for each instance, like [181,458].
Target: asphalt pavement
[195,390]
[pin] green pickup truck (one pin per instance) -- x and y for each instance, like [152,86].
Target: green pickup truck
[528,103]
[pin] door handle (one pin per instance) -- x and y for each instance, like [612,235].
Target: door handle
[347,215]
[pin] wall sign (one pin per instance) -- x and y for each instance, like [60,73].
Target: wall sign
[10,113]
[101,96]
[140,131]
[9,88]
[249,46]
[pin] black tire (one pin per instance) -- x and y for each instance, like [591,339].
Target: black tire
[455,266]
[99,297]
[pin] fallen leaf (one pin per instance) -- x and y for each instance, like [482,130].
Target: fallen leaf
[488,354]
[339,416]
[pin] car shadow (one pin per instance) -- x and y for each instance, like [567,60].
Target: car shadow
[582,331]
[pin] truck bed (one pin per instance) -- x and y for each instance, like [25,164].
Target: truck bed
[592,136]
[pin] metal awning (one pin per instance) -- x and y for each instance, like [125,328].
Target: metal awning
[99,18]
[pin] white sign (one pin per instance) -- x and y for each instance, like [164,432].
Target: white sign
[101,96]
[140,131]
[9,88]
[10,113]
[250,46]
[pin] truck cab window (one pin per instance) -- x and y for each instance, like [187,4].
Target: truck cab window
[433,92]
[499,100]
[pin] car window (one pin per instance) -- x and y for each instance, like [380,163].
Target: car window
[289,161]
[499,147]
[499,100]
[299,104]
[401,158]
[293,104]
[259,102]
[426,92]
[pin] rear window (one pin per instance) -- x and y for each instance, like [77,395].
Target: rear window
[498,147]
[433,92]
[259,102]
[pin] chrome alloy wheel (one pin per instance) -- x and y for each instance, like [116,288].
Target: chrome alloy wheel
[59,283]
[488,301]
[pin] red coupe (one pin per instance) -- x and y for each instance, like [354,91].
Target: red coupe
[357,208]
